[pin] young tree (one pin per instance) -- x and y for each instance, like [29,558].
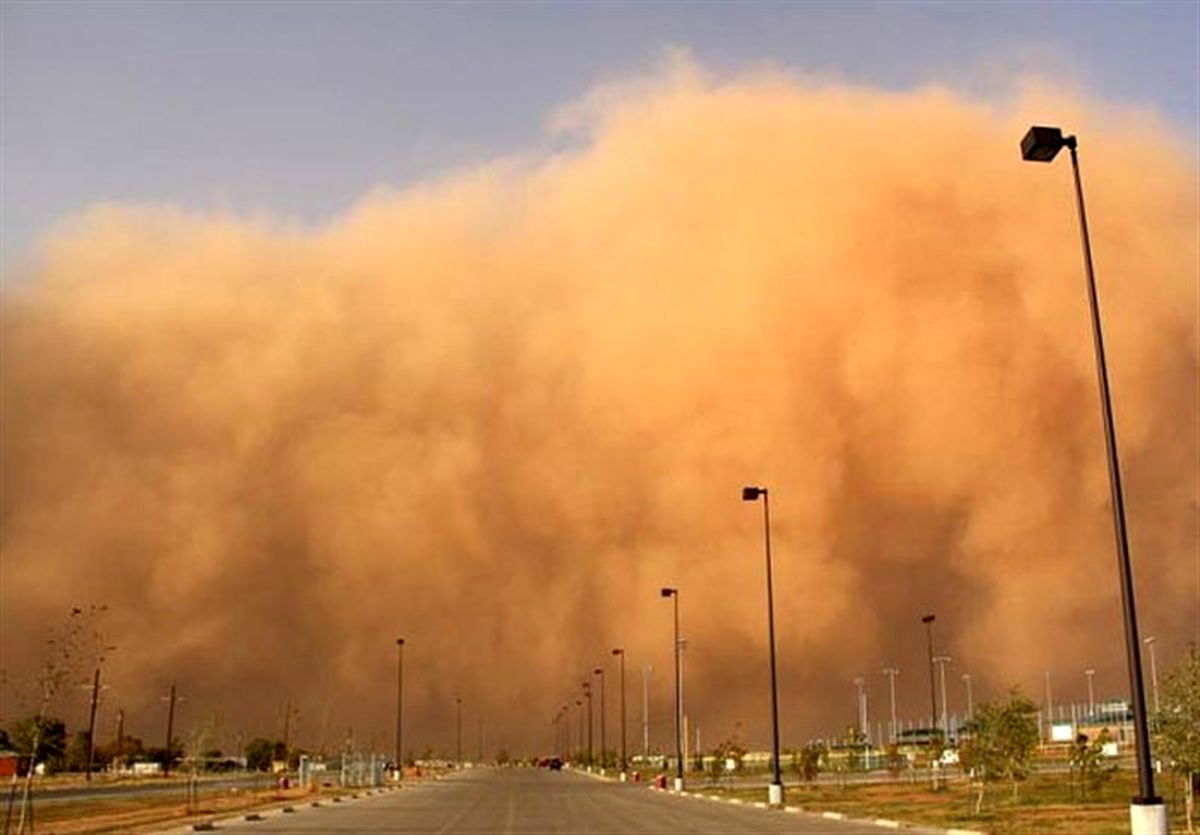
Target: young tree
[1179,726]
[259,754]
[1087,763]
[1002,740]
[808,761]
[43,739]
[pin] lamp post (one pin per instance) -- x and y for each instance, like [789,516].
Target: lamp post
[775,790]
[1089,672]
[587,697]
[891,673]
[933,712]
[647,669]
[599,671]
[1049,709]
[674,595]
[624,764]
[399,708]
[458,737]
[1147,813]
[966,677]
[860,683]
[942,661]
[1153,669]
[579,706]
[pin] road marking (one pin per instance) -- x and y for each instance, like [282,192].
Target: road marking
[837,816]
[887,824]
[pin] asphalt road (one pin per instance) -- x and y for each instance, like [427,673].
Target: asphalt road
[527,801]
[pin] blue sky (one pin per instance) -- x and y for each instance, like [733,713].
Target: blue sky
[298,108]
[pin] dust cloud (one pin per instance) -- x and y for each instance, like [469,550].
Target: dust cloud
[496,411]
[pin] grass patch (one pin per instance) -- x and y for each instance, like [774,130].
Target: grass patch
[1045,804]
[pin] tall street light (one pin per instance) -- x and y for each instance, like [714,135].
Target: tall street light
[775,790]
[861,683]
[399,708]
[942,661]
[599,671]
[624,764]
[933,712]
[674,595]
[966,677]
[579,705]
[587,696]
[1153,669]
[1049,709]
[458,738]
[647,669]
[891,673]
[1090,673]
[1147,813]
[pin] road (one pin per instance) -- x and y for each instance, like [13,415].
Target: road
[527,801]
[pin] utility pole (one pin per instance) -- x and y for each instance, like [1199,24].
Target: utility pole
[92,724]
[120,736]
[170,732]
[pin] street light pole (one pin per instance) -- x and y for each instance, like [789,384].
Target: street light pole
[587,695]
[860,683]
[891,673]
[647,669]
[942,661]
[966,677]
[674,595]
[399,708]
[933,711]
[775,790]
[458,736]
[1148,815]
[579,705]
[624,763]
[1153,669]
[603,734]
[1049,709]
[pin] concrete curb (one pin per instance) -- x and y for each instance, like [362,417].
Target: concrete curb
[882,823]
[252,815]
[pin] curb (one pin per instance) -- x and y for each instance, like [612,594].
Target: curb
[882,823]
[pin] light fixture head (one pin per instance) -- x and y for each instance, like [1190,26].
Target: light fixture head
[929,619]
[1042,144]
[667,592]
[750,494]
